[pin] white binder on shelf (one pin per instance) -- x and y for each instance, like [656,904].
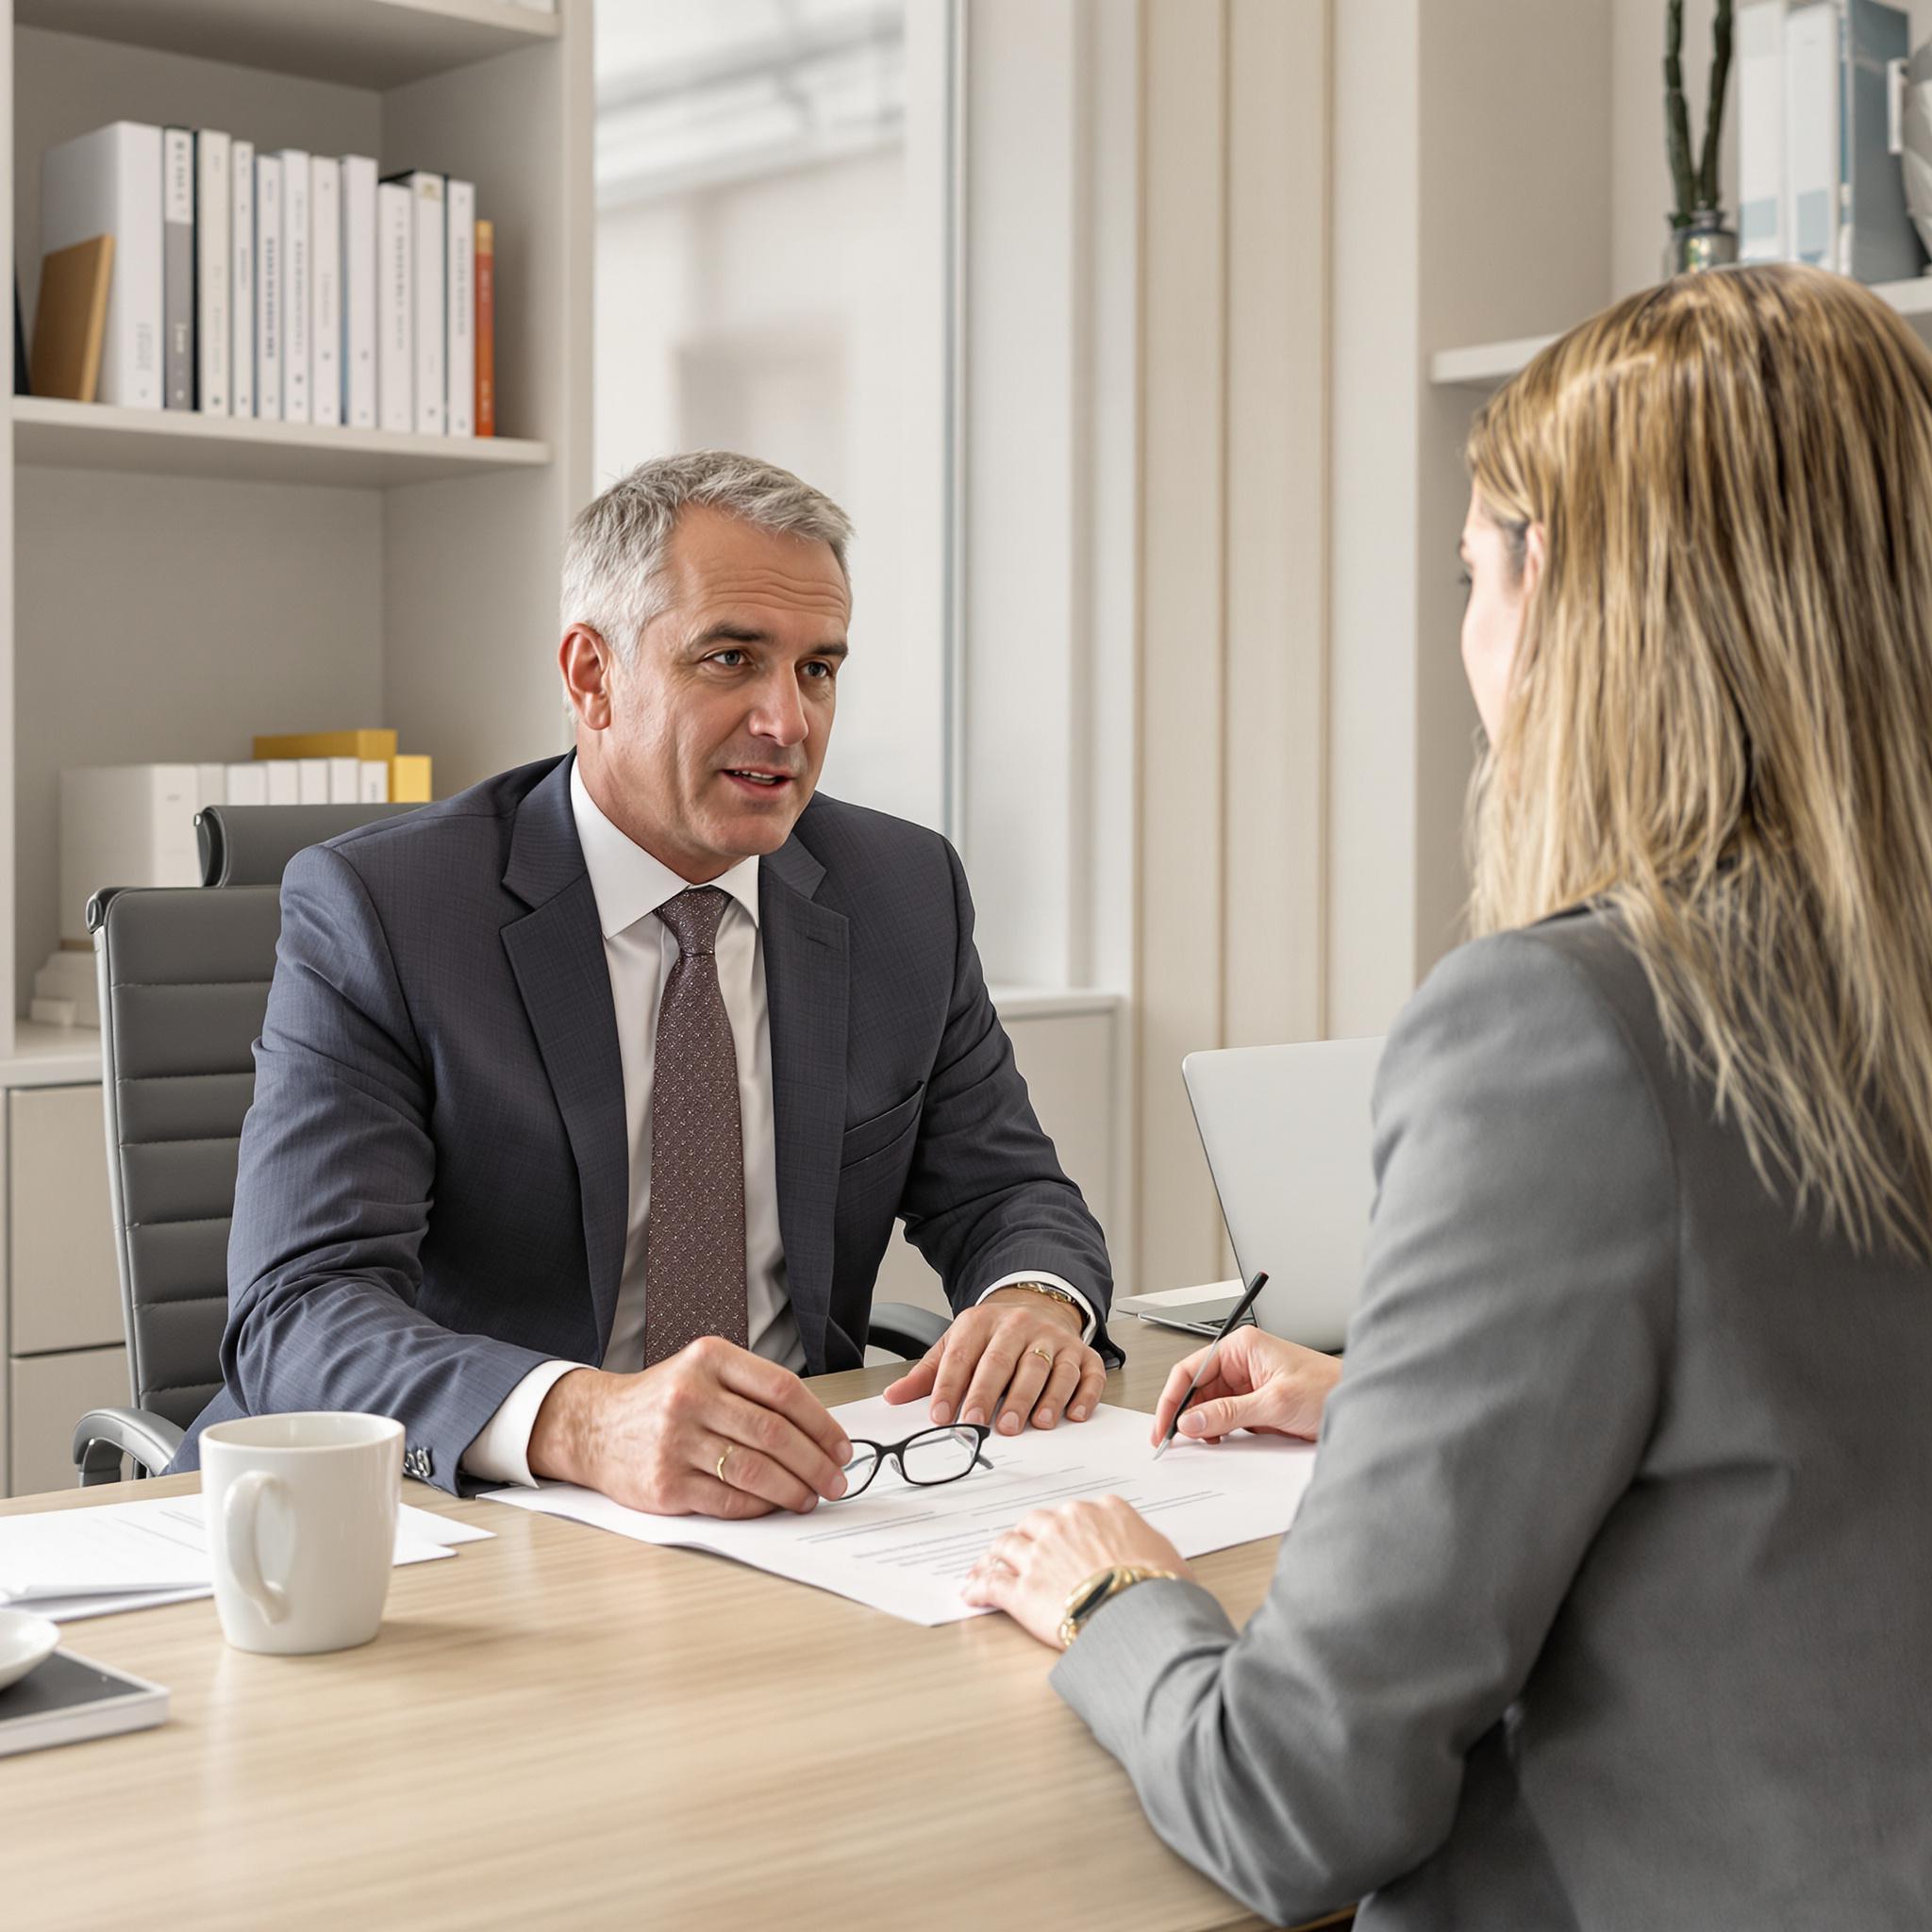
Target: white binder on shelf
[461,258]
[284,781]
[125,825]
[247,783]
[241,279]
[1877,241]
[361,258]
[1761,196]
[1811,133]
[177,267]
[395,388]
[297,260]
[213,267]
[109,183]
[344,781]
[326,291]
[428,269]
[271,295]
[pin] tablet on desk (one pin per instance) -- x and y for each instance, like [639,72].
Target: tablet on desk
[68,1698]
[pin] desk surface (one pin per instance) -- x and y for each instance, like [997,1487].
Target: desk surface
[564,1727]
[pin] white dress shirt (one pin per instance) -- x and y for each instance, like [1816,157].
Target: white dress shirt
[629,885]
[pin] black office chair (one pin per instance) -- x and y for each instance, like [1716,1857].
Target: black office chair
[184,976]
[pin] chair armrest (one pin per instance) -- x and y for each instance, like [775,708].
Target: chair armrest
[103,1436]
[903,1331]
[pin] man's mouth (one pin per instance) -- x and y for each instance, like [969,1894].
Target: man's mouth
[763,780]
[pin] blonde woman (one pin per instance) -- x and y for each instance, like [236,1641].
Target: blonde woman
[1610,1604]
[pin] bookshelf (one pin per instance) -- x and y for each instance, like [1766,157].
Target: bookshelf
[179,583]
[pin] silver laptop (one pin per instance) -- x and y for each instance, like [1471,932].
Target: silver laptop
[1286,1132]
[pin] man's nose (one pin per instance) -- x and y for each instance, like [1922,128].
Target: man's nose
[779,714]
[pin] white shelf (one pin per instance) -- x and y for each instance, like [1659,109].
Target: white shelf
[369,43]
[52,1056]
[183,443]
[1490,364]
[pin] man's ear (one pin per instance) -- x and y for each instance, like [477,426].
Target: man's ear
[585,660]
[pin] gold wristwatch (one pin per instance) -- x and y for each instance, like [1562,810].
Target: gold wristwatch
[1055,1294]
[1102,1587]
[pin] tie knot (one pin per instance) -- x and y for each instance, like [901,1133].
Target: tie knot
[693,917]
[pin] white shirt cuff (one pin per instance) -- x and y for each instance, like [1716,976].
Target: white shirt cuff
[501,1453]
[1085,1306]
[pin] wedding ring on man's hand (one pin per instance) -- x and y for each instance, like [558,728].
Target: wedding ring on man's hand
[1044,1355]
[722,1454]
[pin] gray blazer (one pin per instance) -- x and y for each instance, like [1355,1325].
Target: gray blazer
[435,1178]
[1610,1604]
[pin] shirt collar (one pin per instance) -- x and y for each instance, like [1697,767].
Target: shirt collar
[627,881]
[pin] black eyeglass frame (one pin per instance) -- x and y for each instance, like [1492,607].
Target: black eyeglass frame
[895,1452]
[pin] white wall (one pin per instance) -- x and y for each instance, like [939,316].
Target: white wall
[771,314]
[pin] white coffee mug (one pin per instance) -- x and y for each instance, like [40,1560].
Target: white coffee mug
[302,1527]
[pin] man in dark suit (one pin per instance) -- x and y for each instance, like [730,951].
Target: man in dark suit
[586,1099]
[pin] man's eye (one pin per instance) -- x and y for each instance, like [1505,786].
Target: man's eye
[820,672]
[731,659]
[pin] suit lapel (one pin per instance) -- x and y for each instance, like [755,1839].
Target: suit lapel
[557,954]
[807,962]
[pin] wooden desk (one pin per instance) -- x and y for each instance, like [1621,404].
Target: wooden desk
[565,1728]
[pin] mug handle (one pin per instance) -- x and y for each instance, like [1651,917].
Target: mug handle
[239,1510]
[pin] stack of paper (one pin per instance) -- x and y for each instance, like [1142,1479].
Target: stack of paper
[69,1563]
[906,1550]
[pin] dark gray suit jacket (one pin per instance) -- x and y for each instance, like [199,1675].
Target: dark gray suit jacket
[434,1177]
[1610,1604]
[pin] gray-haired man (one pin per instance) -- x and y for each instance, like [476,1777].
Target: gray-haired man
[587,1100]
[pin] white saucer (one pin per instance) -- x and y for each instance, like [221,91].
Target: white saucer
[24,1641]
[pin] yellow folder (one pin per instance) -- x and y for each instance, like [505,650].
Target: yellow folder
[329,744]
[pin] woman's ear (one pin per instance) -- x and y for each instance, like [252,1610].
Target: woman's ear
[1534,554]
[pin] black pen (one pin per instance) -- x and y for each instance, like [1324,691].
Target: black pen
[1240,1309]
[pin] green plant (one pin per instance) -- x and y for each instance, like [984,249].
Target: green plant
[1696,189]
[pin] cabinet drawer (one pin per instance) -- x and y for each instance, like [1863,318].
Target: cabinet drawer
[60,1251]
[50,1393]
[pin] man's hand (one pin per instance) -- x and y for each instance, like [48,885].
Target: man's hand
[1031,1571]
[1014,1356]
[712,1430]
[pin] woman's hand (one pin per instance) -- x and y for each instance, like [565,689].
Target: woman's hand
[1030,1571]
[1257,1382]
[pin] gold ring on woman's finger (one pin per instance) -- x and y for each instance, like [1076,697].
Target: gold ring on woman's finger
[1046,1354]
[722,1454]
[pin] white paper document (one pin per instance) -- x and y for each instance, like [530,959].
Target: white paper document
[69,1563]
[906,1550]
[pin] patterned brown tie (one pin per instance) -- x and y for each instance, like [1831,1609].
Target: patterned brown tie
[694,1238]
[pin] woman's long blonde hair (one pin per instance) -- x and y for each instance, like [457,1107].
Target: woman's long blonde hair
[1720,714]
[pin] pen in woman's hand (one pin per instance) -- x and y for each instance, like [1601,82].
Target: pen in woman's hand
[1235,1314]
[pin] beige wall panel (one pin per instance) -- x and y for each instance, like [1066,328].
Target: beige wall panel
[1023,486]
[1273,781]
[1183,618]
[63,1284]
[50,1393]
[1377,369]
